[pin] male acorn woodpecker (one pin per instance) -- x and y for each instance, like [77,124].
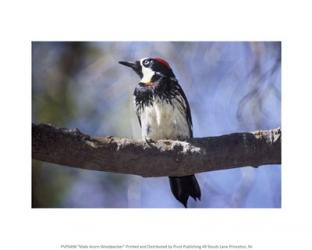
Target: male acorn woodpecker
[164,113]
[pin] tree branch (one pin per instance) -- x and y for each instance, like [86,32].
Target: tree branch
[72,148]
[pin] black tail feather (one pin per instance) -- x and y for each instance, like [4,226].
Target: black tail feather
[183,187]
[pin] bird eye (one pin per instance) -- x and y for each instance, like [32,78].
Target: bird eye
[146,62]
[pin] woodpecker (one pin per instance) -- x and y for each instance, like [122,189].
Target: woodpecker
[164,113]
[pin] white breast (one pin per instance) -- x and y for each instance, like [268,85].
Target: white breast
[163,120]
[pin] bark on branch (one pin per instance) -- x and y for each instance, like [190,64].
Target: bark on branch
[72,148]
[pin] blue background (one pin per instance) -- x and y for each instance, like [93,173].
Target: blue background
[231,87]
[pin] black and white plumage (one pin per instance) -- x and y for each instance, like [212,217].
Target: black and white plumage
[164,113]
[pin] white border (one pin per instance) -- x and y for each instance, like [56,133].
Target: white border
[24,21]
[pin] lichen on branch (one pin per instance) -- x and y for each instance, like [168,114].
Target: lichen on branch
[70,147]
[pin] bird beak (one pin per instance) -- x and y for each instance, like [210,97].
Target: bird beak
[128,64]
[133,65]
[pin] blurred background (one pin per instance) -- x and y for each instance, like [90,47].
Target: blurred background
[231,87]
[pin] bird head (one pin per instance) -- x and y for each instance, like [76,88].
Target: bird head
[150,70]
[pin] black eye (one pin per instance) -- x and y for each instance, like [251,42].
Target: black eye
[146,62]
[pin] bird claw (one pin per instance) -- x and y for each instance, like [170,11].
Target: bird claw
[149,141]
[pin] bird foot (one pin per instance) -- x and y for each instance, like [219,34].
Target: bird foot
[149,141]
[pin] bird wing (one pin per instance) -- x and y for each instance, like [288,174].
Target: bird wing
[184,107]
